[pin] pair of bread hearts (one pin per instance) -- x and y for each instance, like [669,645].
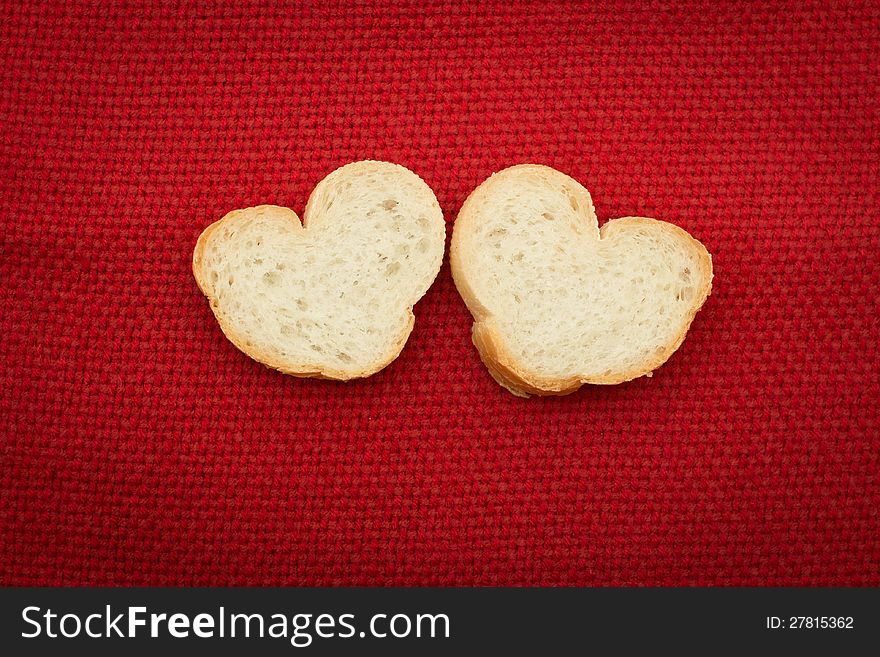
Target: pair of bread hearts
[557,301]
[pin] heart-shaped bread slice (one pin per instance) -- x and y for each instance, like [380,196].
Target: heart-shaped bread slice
[330,297]
[557,301]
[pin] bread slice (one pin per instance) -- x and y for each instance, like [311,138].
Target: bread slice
[331,297]
[557,301]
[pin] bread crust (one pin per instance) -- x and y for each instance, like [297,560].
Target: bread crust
[238,339]
[489,340]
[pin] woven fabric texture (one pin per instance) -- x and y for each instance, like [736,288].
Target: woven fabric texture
[139,447]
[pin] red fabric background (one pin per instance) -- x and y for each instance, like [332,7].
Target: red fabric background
[139,447]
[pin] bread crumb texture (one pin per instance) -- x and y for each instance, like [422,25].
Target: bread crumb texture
[330,297]
[559,302]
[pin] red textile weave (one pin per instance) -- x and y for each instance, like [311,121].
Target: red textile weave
[139,447]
